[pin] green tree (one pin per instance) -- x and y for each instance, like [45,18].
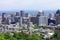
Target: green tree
[1,37]
[7,35]
[34,36]
[12,38]
[55,35]
[54,39]
[19,36]
[16,35]
[47,39]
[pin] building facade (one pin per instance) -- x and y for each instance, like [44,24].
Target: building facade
[43,21]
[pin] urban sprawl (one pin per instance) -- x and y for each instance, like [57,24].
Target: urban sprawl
[24,22]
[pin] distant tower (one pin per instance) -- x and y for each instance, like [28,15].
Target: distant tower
[51,19]
[21,13]
[25,18]
[20,22]
[26,14]
[4,18]
[57,15]
[58,11]
[52,16]
[0,19]
[38,15]
[7,21]
[43,21]
[17,17]
[49,15]
[33,19]
[17,14]
[12,19]
[21,18]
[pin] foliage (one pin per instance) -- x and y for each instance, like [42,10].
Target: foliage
[36,27]
[19,36]
[24,36]
[56,36]
[2,37]
[47,39]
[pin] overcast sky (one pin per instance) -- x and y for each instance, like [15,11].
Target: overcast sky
[29,4]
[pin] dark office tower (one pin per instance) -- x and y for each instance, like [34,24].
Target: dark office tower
[21,18]
[4,18]
[21,13]
[3,15]
[33,19]
[7,21]
[38,15]
[26,14]
[17,14]
[58,11]
[57,15]
[51,21]
[57,19]
[12,19]
[17,18]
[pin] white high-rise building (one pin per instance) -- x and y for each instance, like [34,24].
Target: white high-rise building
[43,21]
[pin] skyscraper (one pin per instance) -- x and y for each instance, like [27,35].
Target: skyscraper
[12,19]
[17,17]
[4,18]
[57,15]
[37,17]
[27,15]
[51,18]
[43,21]
[58,11]
[33,19]
[17,14]
[21,13]
[20,22]
[21,18]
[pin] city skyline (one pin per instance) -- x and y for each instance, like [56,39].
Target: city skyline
[29,20]
[29,5]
